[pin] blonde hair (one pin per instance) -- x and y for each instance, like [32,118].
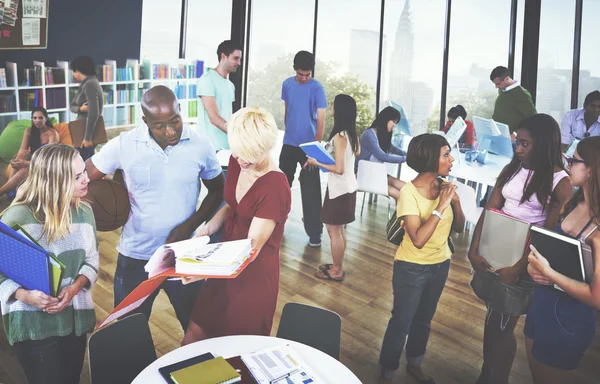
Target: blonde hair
[252,133]
[48,190]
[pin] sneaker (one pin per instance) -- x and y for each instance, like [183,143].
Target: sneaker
[314,242]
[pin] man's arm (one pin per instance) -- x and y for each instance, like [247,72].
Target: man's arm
[213,112]
[208,207]
[320,124]
[566,131]
[284,114]
[93,172]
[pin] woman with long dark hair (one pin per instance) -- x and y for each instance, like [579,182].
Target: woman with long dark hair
[532,187]
[560,326]
[376,145]
[340,198]
[40,133]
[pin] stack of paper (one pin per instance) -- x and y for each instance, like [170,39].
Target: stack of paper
[213,259]
[278,365]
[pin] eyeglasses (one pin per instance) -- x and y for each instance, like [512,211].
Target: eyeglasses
[572,160]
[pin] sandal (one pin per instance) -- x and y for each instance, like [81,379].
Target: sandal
[325,267]
[320,274]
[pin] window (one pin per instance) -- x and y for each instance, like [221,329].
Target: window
[279,29]
[206,30]
[160,30]
[589,74]
[347,54]
[469,68]
[412,59]
[555,60]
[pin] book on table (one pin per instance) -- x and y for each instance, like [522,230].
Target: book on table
[212,371]
[565,254]
[317,151]
[504,239]
[23,260]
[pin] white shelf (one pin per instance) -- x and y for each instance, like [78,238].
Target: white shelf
[24,87]
[55,86]
[8,89]
[57,110]
[9,113]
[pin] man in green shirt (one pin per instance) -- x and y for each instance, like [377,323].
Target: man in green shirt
[513,103]
[217,94]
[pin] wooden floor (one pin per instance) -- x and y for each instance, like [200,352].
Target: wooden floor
[363,301]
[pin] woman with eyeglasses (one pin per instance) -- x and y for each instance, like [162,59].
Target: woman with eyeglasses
[532,187]
[560,326]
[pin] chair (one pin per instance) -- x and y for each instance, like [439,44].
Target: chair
[372,178]
[316,327]
[120,351]
[468,203]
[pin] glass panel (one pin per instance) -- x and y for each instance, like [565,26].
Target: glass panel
[478,44]
[412,61]
[279,29]
[347,55]
[206,30]
[160,30]
[589,74]
[555,60]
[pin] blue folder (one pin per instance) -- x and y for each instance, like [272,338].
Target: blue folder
[315,150]
[23,261]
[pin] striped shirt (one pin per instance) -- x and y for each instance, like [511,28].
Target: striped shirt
[78,251]
[573,126]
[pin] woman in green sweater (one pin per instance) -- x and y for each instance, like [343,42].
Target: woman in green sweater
[49,333]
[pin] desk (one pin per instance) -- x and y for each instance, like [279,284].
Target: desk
[324,366]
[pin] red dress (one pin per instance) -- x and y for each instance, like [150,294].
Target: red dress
[246,305]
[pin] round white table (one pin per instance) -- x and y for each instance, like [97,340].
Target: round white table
[324,366]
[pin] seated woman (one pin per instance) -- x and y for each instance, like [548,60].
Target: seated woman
[376,145]
[39,134]
[468,137]
[258,200]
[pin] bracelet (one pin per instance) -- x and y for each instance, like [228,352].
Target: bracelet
[436,213]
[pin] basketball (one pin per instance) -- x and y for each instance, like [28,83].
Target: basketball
[110,203]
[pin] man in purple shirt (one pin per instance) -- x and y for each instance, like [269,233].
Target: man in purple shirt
[577,124]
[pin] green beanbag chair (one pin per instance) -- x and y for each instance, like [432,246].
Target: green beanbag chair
[12,136]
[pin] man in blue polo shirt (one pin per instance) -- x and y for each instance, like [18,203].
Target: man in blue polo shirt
[163,162]
[305,106]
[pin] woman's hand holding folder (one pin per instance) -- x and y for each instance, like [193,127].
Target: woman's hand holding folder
[36,298]
[538,267]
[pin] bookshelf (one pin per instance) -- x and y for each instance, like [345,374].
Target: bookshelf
[54,87]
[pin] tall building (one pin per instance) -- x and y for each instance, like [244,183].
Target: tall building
[364,50]
[415,97]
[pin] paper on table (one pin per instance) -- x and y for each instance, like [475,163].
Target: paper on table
[31,31]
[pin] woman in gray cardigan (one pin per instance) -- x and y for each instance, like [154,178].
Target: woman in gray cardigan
[88,102]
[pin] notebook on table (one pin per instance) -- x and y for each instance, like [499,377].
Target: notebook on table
[565,254]
[213,371]
[166,371]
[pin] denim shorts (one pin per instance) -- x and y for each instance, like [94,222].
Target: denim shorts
[513,300]
[561,327]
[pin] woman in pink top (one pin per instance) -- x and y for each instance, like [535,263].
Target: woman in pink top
[532,187]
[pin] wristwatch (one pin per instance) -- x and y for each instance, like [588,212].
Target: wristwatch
[436,213]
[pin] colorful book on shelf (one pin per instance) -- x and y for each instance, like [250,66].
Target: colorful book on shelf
[213,371]
[317,151]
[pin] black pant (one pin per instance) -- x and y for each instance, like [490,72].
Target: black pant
[53,360]
[310,187]
[130,273]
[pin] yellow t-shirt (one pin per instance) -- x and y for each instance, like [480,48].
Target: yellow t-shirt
[436,250]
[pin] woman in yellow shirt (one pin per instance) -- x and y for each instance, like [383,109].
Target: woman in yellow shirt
[422,261]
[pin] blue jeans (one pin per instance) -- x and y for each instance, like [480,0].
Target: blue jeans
[417,290]
[53,360]
[130,273]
